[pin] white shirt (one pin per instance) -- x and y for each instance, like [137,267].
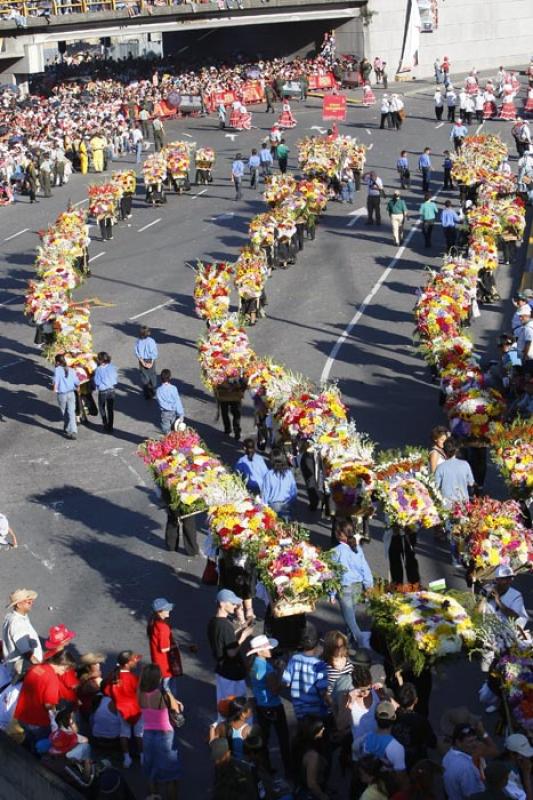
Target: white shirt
[8,701]
[136,135]
[461,776]
[375,186]
[363,722]
[524,339]
[439,101]
[19,637]
[385,106]
[512,599]
[4,529]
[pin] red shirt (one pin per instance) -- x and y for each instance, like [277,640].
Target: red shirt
[68,683]
[40,687]
[160,639]
[124,695]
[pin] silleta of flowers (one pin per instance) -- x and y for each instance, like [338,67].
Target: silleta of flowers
[177,158]
[155,169]
[407,491]
[512,452]
[104,199]
[421,627]
[225,354]
[515,671]
[490,533]
[212,290]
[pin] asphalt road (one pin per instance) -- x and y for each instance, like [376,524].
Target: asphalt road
[87,517]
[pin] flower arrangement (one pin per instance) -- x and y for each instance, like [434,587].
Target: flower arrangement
[473,410]
[305,411]
[515,670]
[512,453]
[225,355]
[103,200]
[490,533]
[315,194]
[126,179]
[278,188]
[212,290]
[205,158]
[421,627]
[242,526]
[251,271]
[262,230]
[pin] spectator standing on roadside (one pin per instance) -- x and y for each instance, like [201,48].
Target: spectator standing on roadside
[237,173]
[424,165]
[169,402]
[21,646]
[146,352]
[105,379]
[159,134]
[373,199]
[225,641]
[428,214]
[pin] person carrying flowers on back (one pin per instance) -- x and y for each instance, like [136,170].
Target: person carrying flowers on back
[122,689]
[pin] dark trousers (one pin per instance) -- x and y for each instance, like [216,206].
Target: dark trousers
[274,717]
[106,228]
[479,115]
[106,406]
[187,525]
[477,458]
[450,235]
[125,205]
[427,230]
[282,162]
[425,179]
[254,178]
[158,141]
[237,182]
[402,558]
[373,206]
[385,118]
[31,192]
[451,113]
[457,143]
[448,178]
[438,112]
[508,250]
[232,407]
[148,380]
[45,183]
[270,104]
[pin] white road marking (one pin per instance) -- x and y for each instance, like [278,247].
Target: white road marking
[366,302]
[13,300]
[80,202]
[188,134]
[14,235]
[439,125]
[12,363]
[232,136]
[369,133]
[115,451]
[98,255]
[321,131]
[479,127]
[199,194]
[370,146]
[48,564]
[155,308]
[145,227]
[355,216]
[223,216]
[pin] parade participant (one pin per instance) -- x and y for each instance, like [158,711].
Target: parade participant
[278,489]
[144,116]
[454,476]
[397,211]
[66,386]
[521,133]
[282,154]
[378,65]
[252,467]
[45,171]
[158,131]
[437,455]
[97,150]
[237,173]
[369,98]
[146,352]
[385,111]
[439,103]
[225,642]
[457,135]
[169,402]
[424,165]
[397,111]
[479,105]
[508,108]
[254,163]
[506,601]
[412,729]
[471,83]
[470,108]
[373,199]
[528,108]
[489,104]
[438,70]
[451,101]
[462,105]
[122,687]
[274,138]
[311,472]
[286,118]
[84,155]
[266,160]
[105,379]
[21,646]
[447,165]
[269,97]
[356,578]
[449,220]
[221,111]
[428,214]
[30,179]
[163,649]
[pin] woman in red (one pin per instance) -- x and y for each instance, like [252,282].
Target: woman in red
[122,689]
[163,649]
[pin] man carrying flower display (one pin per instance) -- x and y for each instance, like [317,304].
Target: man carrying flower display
[506,601]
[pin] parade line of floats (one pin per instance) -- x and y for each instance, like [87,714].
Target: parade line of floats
[420,626]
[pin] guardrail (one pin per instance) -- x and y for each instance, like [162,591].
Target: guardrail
[33,8]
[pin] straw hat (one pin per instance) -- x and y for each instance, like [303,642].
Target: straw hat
[19,595]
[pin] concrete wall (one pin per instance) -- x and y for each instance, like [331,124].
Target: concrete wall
[22,777]
[472,33]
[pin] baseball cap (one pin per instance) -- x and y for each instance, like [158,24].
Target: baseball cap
[227,596]
[162,604]
[503,571]
[524,311]
[386,710]
[518,743]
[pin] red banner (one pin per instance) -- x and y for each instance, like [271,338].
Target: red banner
[334,107]
[252,92]
[322,81]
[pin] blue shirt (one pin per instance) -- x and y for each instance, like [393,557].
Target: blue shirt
[424,162]
[453,477]
[237,169]
[266,156]
[449,218]
[402,163]
[254,162]
[459,132]
[253,471]
[461,776]
[169,399]
[355,566]
[105,377]
[259,671]
[65,383]
[278,487]
[146,349]
[307,679]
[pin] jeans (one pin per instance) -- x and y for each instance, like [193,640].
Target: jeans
[274,717]
[168,418]
[138,152]
[426,176]
[349,596]
[254,178]
[238,191]
[106,405]
[283,510]
[67,404]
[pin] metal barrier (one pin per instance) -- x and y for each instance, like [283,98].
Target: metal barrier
[32,8]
